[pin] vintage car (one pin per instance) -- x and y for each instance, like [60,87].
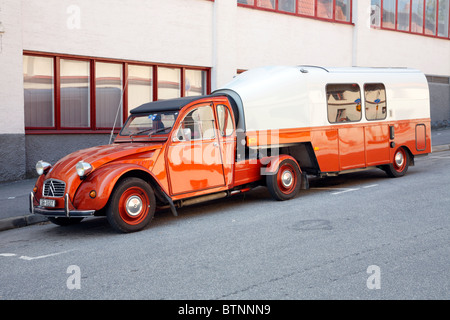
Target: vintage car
[271,126]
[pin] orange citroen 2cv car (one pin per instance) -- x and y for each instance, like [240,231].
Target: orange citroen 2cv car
[271,126]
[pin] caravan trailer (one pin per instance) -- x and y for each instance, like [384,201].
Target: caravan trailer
[272,126]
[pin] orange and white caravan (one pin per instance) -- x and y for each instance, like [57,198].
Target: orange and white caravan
[271,126]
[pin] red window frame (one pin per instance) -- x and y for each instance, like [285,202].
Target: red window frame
[58,129]
[296,13]
[423,33]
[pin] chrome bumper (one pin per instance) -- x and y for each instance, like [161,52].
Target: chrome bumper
[66,212]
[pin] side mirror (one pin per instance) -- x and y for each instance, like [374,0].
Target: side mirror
[187,134]
[182,135]
[177,137]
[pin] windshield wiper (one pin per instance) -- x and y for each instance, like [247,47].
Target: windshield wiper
[148,129]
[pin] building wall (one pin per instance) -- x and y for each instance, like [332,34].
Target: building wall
[157,31]
[12,133]
[384,48]
[217,34]
[149,32]
[267,38]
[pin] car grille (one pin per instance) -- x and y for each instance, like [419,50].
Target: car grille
[54,188]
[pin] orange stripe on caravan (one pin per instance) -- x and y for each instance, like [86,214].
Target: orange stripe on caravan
[275,137]
[295,135]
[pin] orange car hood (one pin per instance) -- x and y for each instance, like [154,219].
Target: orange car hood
[98,156]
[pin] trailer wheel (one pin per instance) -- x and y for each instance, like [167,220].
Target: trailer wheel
[400,164]
[285,183]
[131,206]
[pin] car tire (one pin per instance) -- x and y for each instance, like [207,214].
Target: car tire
[285,183]
[399,165]
[131,206]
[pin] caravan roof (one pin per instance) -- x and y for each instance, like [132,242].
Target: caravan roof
[282,97]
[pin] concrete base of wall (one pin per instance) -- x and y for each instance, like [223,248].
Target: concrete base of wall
[439,105]
[12,157]
[51,148]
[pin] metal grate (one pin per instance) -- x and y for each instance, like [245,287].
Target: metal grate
[54,188]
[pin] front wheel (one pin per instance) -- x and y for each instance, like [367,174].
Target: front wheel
[285,183]
[131,206]
[400,164]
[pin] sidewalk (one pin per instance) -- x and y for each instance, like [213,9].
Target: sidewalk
[14,207]
[440,139]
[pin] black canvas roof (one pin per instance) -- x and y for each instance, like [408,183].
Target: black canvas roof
[165,105]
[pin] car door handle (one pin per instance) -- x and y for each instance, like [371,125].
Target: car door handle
[215,144]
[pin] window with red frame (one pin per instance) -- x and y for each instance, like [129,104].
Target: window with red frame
[425,17]
[76,94]
[331,10]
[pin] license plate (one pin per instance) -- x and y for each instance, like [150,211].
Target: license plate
[47,203]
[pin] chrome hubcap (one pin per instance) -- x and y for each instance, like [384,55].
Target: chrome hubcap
[287,179]
[399,159]
[134,206]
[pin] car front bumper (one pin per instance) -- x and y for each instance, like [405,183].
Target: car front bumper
[65,212]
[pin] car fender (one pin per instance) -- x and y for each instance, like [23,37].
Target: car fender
[272,163]
[103,181]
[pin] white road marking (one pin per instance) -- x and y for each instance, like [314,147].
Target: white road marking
[344,190]
[27,258]
[7,254]
[348,190]
[328,188]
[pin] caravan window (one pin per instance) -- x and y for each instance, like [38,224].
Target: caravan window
[375,95]
[344,102]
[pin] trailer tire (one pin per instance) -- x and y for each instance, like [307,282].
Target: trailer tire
[399,165]
[284,184]
[131,206]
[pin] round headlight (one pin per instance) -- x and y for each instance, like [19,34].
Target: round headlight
[42,167]
[83,168]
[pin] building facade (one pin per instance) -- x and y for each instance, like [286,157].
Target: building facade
[70,70]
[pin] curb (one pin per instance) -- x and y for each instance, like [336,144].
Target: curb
[28,220]
[444,147]
[22,221]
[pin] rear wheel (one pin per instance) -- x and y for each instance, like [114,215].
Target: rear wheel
[131,206]
[400,164]
[285,183]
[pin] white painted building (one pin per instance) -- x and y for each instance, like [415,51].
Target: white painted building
[67,65]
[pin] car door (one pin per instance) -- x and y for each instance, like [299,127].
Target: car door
[194,157]
[227,140]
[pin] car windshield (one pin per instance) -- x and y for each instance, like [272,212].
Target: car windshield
[157,123]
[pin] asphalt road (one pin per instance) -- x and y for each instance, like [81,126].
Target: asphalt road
[356,236]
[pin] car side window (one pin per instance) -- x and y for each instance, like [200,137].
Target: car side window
[197,125]
[225,121]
